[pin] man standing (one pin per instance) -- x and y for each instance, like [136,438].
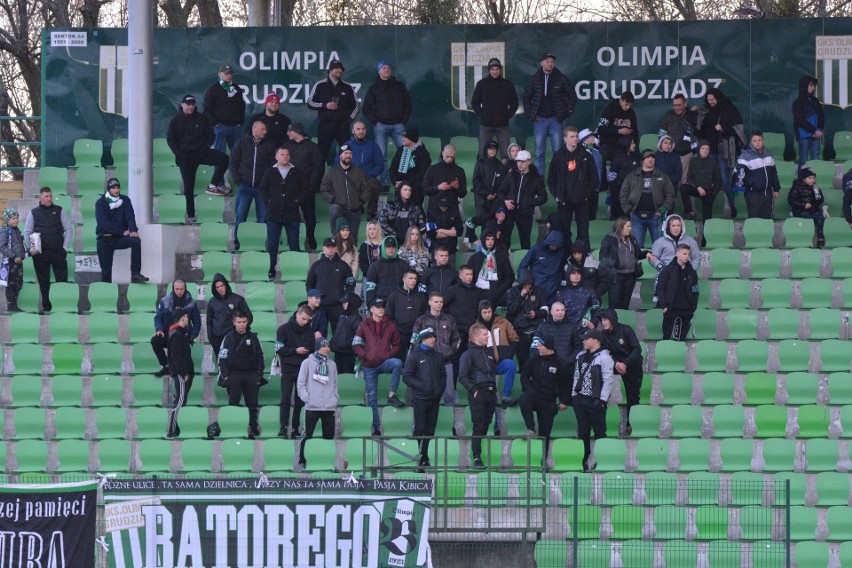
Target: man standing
[488,174]
[337,107]
[495,102]
[55,232]
[317,389]
[646,196]
[444,326]
[808,120]
[573,179]
[680,123]
[425,379]
[617,128]
[446,177]
[367,156]
[344,187]
[444,224]
[526,310]
[333,278]
[756,173]
[377,343]
[282,192]
[624,348]
[549,98]
[116,229]
[478,374]
[181,367]
[221,307]
[677,295]
[503,341]
[388,106]
[410,163]
[225,107]
[276,123]
[591,390]
[189,136]
[179,297]
[521,191]
[241,365]
[546,379]
[305,155]
[405,305]
[250,159]
[293,343]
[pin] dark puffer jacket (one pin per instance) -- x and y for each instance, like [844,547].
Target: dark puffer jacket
[283,196]
[561,89]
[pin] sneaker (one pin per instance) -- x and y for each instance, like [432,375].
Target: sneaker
[477,463]
[820,243]
[311,244]
[282,433]
[190,219]
[376,432]
[214,190]
[394,401]
[252,434]
[302,465]
[294,433]
[508,401]
[270,275]
[139,278]
[162,372]
[172,434]
[236,244]
[47,306]
[529,434]
[13,308]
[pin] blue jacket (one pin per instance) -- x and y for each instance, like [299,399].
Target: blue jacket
[367,156]
[544,264]
[114,221]
[163,317]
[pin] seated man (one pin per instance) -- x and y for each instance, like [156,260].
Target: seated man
[116,229]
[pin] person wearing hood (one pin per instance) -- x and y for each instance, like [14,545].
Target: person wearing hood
[566,334]
[367,155]
[626,352]
[397,215]
[806,199]
[548,391]
[253,154]
[488,173]
[388,106]
[677,295]
[384,276]
[444,224]
[492,269]
[221,306]
[441,275]
[410,163]
[404,306]
[618,127]
[580,302]
[703,181]
[756,173]
[478,374]
[593,383]
[495,102]
[317,389]
[720,123]
[681,124]
[319,321]
[646,197]
[181,367]
[305,155]
[808,120]
[504,341]
[241,362]
[424,374]
[445,177]
[667,161]
[573,179]
[332,277]
[544,261]
[513,150]
[179,297]
[521,191]
[377,344]
[344,333]
[593,278]
[663,250]
[620,255]
[344,188]
[294,342]
[282,192]
[526,310]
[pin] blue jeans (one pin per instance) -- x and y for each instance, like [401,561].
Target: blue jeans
[507,368]
[640,225]
[808,150]
[245,195]
[226,136]
[273,237]
[381,132]
[371,381]
[726,178]
[542,129]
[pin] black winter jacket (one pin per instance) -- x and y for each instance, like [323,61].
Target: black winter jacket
[179,347]
[221,108]
[494,101]
[243,355]
[462,302]
[560,88]
[305,155]
[565,334]
[414,175]
[438,278]
[221,308]
[388,102]
[518,306]
[189,135]
[621,341]
[477,369]
[282,196]
[441,172]
[612,119]
[332,277]
[677,288]
[526,190]
[404,307]
[348,106]
[572,185]
[289,337]
[506,276]
[549,377]
[808,113]
[276,127]
[424,373]
[249,161]
[801,194]
[488,174]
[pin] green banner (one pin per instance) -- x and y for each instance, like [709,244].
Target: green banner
[265,522]
[756,63]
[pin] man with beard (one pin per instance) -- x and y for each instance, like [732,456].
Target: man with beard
[410,163]
[344,187]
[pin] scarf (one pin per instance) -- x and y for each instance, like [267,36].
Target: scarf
[406,160]
[228,87]
[321,372]
[114,202]
[488,272]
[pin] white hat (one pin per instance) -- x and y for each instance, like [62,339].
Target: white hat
[523,155]
[585,133]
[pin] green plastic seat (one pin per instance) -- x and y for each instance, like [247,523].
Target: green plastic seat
[734,293]
[652,454]
[73,455]
[170,209]
[676,388]
[214,236]
[724,553]
[567,454]
[832,488]
[70,423]
[841,261]
[660,488]
[320,454]
[711,355]
[736,454]
[758,233]
[26,390]
[254,266]
[152,423]
[107,390]
[64,296]
[64,390]
[822,455]
[142,298]
[279,454]
[694,454]
[802,388]
[725,263]
[839,528]
[24,327]
[765,263]
[88,152]
[196,455]
[32,456]
[746,488]
[670,356]
[293,265]
[111,423]
[144,360]
[704,324]
[29,423]
[779,454]
[775,143]
[719,233]
[589,525]
[824,323]
[261,296]
[711,523]
[238,455]
[794,355]
[756,522]
[670,522]
[813,421]
[67,359]
[265,325]
[216,262]
[728,421]
[742,323]
[718,388]
[107,358]
[840,387]
[610,454]
[27,359]
[90,180]
[252,236]
[760,388]
[816,292]
[811,553]
[775,293]
[771,421]
[835,355]
[783,323]
[54,178]
[492,489]
[752,355]
[617,488]
[208,208]
[102,328]
[798,232]
[845,554]
[765,554]
[114,456]
[654,325]
[645,421]
[805,262]
[628,522]
[140,327]
[798,483]
[155,455]
[686,421]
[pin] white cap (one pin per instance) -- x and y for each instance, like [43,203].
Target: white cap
[523,155]
[585,133]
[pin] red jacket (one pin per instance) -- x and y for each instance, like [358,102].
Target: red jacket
[376,342]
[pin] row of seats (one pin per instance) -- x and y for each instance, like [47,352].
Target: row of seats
[795,232]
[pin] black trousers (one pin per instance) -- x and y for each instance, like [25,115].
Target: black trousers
[545,410]
[425,422]
[580,213]
[247,388]
[309,213]
[523,353]
[311,419]
[621,290]
[590,418]
[676,324]
[524,224]
[189,167]
[632,380]
[288,388]
[345,362]
[758,204]
[43,262]
[688,191]
[106,252]
[482,407]
[159,344]
[328,132]
[182,388]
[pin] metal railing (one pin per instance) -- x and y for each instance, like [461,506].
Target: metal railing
[17,143]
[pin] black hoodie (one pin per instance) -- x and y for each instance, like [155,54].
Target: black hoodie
[289,337]
[621,341]
[808,115]
[221,308]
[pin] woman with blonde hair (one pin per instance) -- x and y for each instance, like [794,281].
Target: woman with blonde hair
[413,251]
